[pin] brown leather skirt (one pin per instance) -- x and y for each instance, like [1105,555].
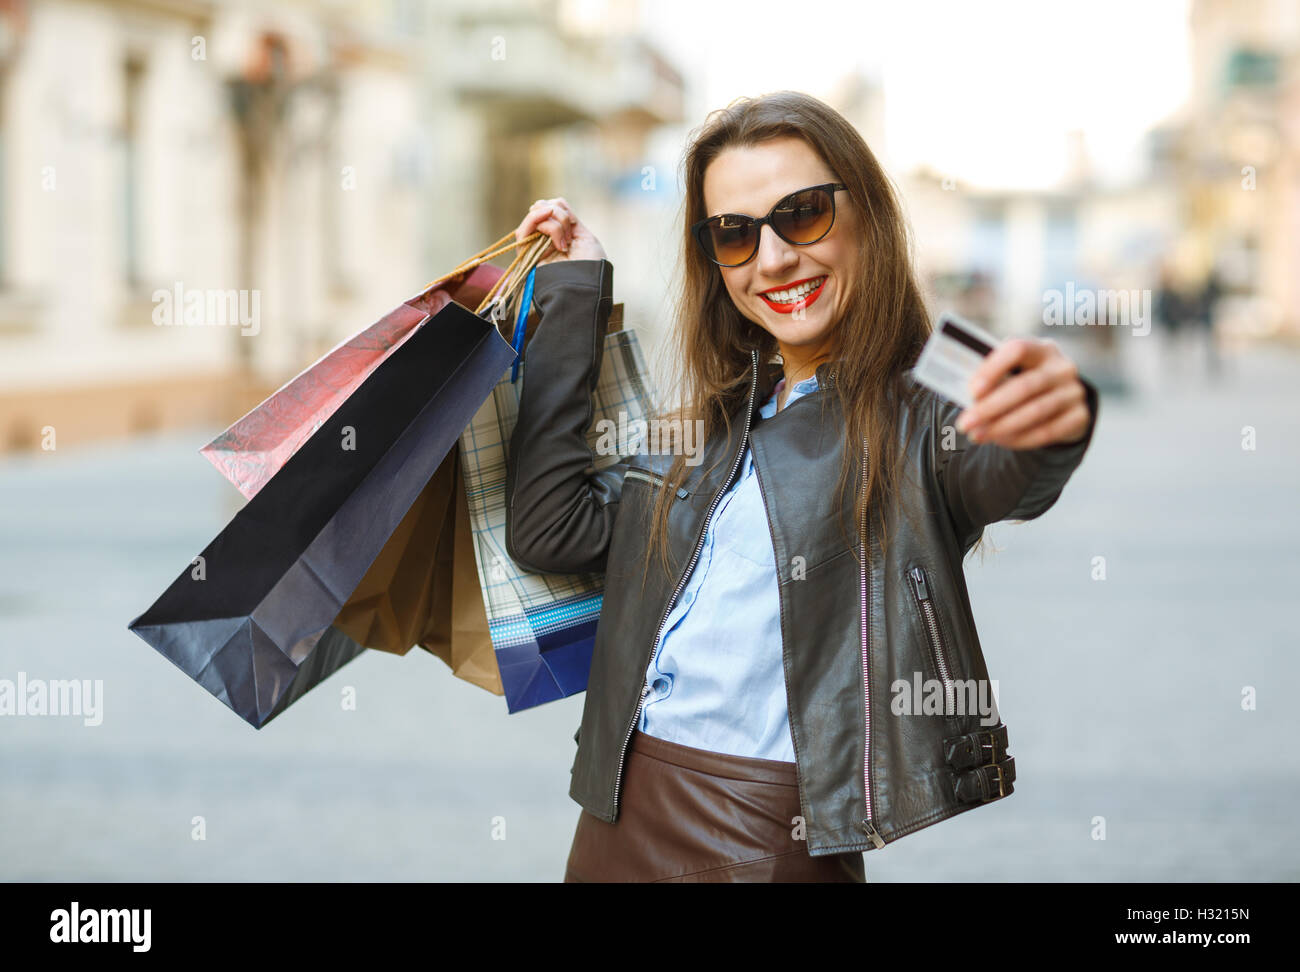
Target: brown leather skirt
[688,814]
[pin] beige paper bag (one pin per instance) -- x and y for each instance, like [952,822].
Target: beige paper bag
[423,587]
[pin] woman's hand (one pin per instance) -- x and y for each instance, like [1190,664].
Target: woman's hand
[570,239]
[1044,404]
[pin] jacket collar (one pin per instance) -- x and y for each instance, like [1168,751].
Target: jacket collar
[770,373]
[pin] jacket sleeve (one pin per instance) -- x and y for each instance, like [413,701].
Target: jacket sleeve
[983,483]
[559,509]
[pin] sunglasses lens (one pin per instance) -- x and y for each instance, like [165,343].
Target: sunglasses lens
[806,217]
[730,238]
[801,218]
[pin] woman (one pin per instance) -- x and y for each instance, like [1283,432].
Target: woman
[750,712]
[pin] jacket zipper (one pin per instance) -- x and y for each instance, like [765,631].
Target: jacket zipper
[784,668]
[864,528]
[655,480]
[681,583]
[650,478]
[921,589]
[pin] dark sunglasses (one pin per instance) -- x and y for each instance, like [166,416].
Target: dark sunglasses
[801,218]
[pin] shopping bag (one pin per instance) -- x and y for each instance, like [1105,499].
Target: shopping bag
[423,587]
[410,597]
[252,618]
[460,636]
[543,626]
[256,446]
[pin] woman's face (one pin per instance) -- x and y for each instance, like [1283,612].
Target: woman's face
[749,181]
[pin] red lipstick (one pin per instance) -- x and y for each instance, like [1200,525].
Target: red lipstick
[805,301]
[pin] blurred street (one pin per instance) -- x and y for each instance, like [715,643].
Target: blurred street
[1122,696]
[221,192]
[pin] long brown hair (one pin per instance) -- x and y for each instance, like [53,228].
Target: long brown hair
[882,331]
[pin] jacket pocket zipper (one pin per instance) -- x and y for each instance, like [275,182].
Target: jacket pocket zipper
[864,528]
[654,480]
[938,651]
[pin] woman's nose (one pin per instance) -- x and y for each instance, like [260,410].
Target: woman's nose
[775,255]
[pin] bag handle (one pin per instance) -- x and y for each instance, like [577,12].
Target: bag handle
[504,289]
[506,242]
[521,324]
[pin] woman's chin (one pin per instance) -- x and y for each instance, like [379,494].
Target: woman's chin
[796,329]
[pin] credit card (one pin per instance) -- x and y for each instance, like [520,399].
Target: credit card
[951,357]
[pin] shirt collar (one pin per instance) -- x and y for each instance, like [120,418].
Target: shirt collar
[801,388]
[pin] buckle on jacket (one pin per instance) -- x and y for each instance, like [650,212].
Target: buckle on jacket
[996,747]
[1001,781]
[984,783]
[976,748]
[980,762]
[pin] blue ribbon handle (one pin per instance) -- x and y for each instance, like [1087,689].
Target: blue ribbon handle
[521,324]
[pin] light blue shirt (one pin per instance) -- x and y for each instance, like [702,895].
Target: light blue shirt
[717,678]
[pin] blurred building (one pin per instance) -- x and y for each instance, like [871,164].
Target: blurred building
[1220,192]
[1234,152]
[306,165]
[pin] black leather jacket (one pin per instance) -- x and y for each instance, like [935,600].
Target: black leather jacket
[870,770]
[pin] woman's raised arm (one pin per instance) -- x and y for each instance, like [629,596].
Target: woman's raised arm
[560,510]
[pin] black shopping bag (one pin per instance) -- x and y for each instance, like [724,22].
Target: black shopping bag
[252,621]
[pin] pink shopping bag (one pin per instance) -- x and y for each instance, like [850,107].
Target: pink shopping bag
[254,449]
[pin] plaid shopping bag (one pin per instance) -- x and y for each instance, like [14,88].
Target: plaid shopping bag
[543,626]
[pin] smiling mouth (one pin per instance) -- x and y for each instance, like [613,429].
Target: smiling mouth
[798,294]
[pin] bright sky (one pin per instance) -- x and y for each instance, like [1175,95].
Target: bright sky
[985,92]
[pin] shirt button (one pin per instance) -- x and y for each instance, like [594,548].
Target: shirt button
[660,686]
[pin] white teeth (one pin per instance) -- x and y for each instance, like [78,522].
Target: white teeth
[794,293]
